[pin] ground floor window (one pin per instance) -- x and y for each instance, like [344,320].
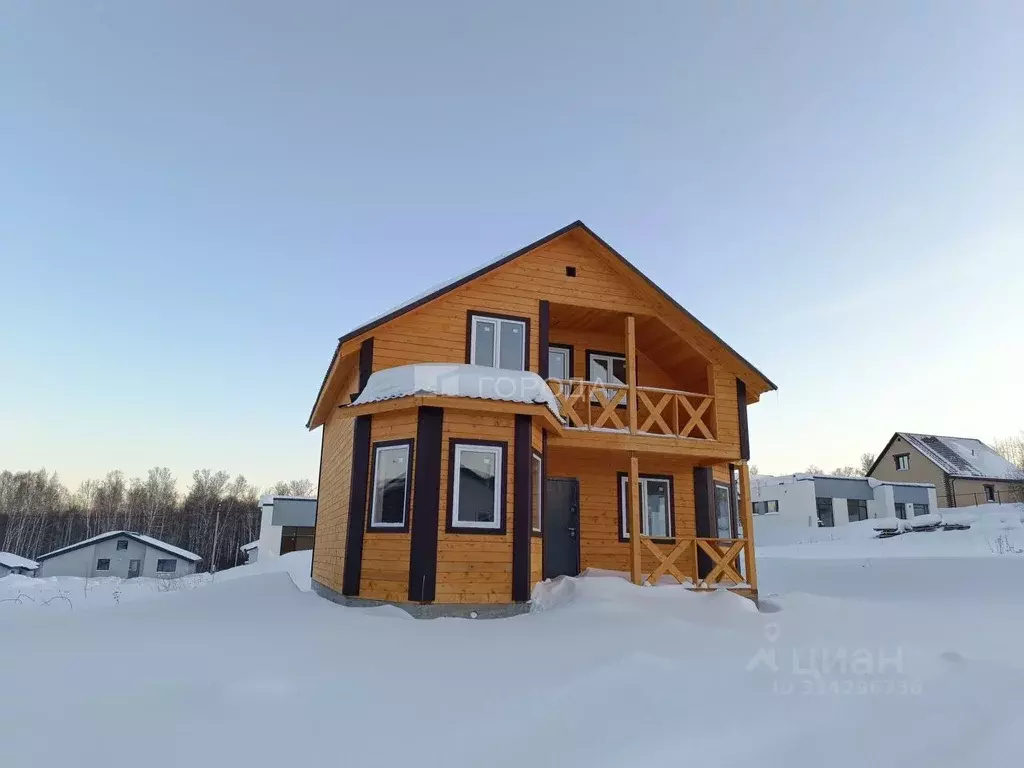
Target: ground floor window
[655,507]
[857,509]
[170,565]
[920,509]
[758,507]
[296,538]
[901,510]
[826,519]
[477,486]
[391,464]
[723,512]
[771,507]
[103,564]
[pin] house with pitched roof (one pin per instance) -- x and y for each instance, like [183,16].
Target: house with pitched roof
[124,554]
[964,470]
[552,411]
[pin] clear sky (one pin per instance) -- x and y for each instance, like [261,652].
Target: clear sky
[197,199]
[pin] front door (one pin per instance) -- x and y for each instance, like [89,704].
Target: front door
[133,568]
[561,527]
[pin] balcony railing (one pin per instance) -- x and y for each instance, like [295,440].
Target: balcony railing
[724,556]
[669,412]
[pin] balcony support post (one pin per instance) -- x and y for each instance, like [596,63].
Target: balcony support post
[746,514]
[633,504]
[631,371]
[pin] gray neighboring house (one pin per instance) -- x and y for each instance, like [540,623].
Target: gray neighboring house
[826,500]
[119,553]
[287,524]
[16,564]
[965,470]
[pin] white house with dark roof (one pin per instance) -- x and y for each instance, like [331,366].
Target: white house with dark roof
[16,564]
[965,471]
[119,553]
[826,501]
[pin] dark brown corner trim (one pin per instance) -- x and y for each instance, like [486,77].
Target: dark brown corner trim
[543,337]
[522,519]
[450,525]
[409,469]
[426,499]
[741,405]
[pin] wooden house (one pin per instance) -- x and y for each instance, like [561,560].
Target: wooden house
[455,498]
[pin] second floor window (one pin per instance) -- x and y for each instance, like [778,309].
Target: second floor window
[497,342]
[902,462]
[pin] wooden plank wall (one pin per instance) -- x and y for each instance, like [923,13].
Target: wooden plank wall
[475,568]
[385,571]
[599,506]
[436,332]
[726,412]
[332,504]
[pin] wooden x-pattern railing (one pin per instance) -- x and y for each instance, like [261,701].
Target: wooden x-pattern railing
[596,405]
[590,405]
[723,553]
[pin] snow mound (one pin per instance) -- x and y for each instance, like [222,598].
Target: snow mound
[473,381]
[297,565]
[604,591]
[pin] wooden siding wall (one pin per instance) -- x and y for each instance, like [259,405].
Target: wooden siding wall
[332,497]
[436,332]
[727,416]
[385,571]
[599,504]
[475,567]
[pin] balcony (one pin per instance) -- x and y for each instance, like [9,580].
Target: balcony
[592,405]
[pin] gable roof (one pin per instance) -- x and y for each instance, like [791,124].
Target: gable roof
[451,285]
[142,538]
[965,457]
[11,560]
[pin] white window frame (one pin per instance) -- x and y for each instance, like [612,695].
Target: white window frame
[496,322]
[566,353]
[172,560]
[374,507]
[499,486]
[899,463]
[623,485]
[607,358]
[537,495]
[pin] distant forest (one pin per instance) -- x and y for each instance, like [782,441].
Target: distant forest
[214,518]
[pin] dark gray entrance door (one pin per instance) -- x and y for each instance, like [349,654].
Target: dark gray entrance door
[133,568]
[561,527]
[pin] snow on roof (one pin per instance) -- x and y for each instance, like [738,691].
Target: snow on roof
[475,381]
[140,537]
[250,545]
[765,481]
[269,498]
[11,560]
[962,456]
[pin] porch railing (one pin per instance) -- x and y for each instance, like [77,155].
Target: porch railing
[723,554]
[670,412]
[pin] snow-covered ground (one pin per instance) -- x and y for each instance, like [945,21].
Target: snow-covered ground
[844,665]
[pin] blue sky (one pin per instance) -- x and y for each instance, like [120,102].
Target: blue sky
[197,199]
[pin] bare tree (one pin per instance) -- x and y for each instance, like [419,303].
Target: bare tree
[867,460]
[846,471]
[1012,449]
[302,487]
